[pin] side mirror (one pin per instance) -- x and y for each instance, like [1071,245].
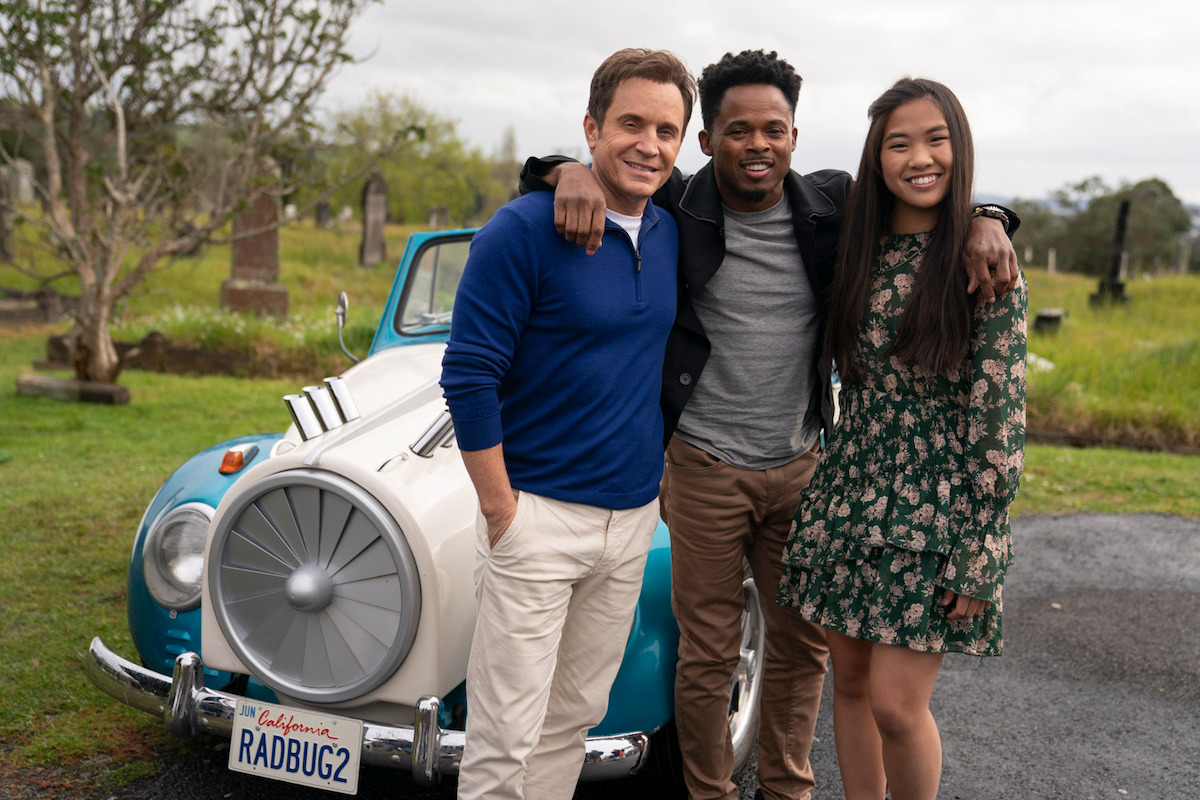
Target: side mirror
[343,308]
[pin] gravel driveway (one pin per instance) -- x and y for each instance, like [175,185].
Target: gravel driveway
[1098,695]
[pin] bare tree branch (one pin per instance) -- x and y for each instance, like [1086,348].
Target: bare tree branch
[151,119]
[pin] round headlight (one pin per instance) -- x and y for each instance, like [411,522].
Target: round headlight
[173,557]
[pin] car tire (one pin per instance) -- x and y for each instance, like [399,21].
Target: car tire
[745,689]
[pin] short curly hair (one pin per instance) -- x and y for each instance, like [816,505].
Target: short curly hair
[748,66]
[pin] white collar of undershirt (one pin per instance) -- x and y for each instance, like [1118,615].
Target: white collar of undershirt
[632,225]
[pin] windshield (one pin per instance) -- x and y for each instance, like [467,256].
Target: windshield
[433,281]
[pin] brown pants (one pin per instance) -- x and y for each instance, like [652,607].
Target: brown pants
[719,514]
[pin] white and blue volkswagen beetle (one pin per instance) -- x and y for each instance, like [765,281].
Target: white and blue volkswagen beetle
[309,594]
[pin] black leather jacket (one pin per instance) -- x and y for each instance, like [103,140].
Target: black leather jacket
[817,201]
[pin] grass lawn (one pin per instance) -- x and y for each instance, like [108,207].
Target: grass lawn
[1127,372]
[75,478]
[74,481]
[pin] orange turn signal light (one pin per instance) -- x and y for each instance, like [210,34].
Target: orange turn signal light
[236,458]
[232,462]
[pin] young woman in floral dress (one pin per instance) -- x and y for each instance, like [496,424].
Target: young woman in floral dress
[902,540]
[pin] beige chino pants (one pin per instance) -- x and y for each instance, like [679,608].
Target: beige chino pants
[555,601]
[718,515]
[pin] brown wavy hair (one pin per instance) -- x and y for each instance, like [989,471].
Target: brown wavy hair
[936,327]
[660,66]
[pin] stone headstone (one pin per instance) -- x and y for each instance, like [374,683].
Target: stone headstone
[346,215]
[374,208]
[324,215]
[253,282]
[290,212]
[6,219]
[1052,260]
[19,177]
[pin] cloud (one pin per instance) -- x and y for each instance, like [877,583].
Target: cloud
[1055,91]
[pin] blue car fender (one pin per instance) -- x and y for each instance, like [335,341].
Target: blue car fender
[159,633]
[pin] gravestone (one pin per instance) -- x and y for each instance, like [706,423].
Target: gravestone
[290,212]
[374,208]
[324,215]
[253,282]
[6,220]
[19,177]
[1112,288]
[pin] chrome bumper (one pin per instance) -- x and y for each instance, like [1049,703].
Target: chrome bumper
[423,748]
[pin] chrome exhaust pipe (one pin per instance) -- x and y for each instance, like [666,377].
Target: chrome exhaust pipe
[323,404]
[340,393]
[303,415]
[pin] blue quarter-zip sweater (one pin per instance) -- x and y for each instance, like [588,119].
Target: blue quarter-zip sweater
[558,355]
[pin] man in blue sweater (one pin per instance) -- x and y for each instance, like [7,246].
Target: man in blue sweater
[553,374]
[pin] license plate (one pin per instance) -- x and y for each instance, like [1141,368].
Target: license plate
[310,748]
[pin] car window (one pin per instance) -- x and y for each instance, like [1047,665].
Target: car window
[433,281]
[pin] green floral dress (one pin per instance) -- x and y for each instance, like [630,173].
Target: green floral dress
[912,493]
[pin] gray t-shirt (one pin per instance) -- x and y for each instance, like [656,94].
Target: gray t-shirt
[750,405]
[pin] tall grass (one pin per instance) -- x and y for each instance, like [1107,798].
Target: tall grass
[314,264]
[1121,372]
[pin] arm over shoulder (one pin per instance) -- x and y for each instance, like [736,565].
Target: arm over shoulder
[535,171]
[833,183]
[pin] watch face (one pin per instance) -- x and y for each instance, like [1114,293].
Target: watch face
[994,212]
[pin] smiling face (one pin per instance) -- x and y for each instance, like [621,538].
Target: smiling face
[634,148]
[916,159]
[751,144]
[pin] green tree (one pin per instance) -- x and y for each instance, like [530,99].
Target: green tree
[425,163]
[1156,220]
[1041,228]
[152,120]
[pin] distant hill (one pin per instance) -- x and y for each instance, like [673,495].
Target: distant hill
[996,199]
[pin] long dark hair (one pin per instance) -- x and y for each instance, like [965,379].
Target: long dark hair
[936,326]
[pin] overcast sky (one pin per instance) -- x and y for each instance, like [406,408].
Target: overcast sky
[1056,90]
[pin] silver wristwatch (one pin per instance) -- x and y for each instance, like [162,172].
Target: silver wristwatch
[995,212]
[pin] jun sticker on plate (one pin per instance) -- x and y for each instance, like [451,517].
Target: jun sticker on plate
[299,746]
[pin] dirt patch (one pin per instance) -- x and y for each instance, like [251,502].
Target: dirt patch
[1127,442]
[157,354]
[135,754]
